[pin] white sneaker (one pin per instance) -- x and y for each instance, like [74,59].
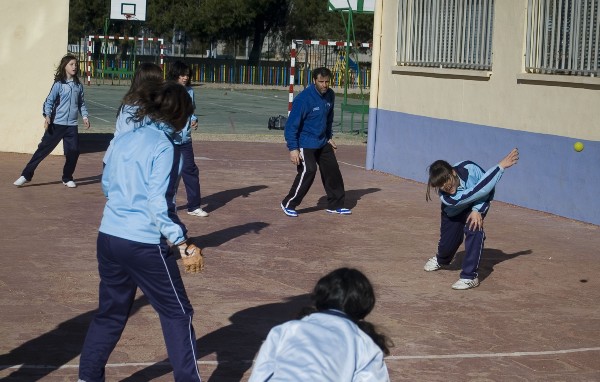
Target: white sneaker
[21,181]
[198,212]
[463,284]
[70,184]
[432,265]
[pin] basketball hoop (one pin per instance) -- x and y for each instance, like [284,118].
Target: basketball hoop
[129,16]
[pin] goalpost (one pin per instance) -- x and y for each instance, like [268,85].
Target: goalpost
[156,50]
[307,54]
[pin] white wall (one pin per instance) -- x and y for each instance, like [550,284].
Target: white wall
[33,39]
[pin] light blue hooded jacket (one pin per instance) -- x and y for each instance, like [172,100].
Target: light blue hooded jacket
[140,181]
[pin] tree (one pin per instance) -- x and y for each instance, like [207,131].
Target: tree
[311,19]
[86,17]
[228,20]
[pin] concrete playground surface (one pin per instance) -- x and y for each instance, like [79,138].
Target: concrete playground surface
[535,316]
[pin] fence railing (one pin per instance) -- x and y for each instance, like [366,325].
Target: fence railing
[222,71]
[563,37]
[446,33]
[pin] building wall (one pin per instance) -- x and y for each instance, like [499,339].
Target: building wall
[33,35]
[418,116]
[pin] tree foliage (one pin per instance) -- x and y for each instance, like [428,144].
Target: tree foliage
[224,20]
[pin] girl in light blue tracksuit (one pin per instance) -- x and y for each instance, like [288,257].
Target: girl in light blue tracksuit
[61,110]
[181,73]
[139,220]
[465,191]
[332,341]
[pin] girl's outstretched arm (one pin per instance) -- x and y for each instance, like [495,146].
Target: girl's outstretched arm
[511,159]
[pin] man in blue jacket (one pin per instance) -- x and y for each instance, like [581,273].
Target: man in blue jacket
[308,135]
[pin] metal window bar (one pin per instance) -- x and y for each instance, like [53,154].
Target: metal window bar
[563,37]
[445,33]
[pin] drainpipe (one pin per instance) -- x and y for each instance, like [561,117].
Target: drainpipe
[374,92]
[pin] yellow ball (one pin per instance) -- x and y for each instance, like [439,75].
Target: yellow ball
[578,146]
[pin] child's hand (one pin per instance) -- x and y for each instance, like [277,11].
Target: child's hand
[511,159]
[46,122]
[475,221]
[86,123]
[194,125]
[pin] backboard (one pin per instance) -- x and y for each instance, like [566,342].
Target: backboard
[357,6]
[128,10]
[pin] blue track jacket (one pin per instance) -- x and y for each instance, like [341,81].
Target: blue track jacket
[476,189]
[185,135]
[309,123]
[140,180]
[65,102]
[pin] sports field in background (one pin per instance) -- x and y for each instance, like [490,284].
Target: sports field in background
[239,112]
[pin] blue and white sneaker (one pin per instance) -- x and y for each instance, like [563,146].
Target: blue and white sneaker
[341,211]
[289,211]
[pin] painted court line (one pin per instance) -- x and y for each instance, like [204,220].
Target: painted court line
[265,160]
[102,119]
[101,104]
[493,355]
[389,358]
[235,108]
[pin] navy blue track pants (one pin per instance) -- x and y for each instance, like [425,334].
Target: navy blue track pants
[51,139]
[125,265]
[452,232]
[330,176]
[190,176]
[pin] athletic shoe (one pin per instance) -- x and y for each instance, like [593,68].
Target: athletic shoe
[341,211]
[289,211]
[198,212]
[21,181]
[463,284]
[432,265]
[70,184]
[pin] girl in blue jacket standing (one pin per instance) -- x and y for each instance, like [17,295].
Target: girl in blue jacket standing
[181,73]
[61,110]
[465,191]
[139,220]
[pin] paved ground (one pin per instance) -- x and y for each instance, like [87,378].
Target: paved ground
[224,110]
[535,316]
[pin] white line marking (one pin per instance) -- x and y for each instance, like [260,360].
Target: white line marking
[262,160]
[241,160]
[102,119]
[113,365]
[390,358]
[101,104]
[350,164]
[235,108]
[493,355]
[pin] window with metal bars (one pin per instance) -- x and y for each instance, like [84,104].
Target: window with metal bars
[454,34]
[563,37]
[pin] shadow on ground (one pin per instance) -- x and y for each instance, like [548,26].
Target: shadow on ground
[352,198]
[94,142]
[236,344]
[489,258]
[220,199]
[53,349]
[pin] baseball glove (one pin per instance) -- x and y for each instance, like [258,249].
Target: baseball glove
[192,258]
